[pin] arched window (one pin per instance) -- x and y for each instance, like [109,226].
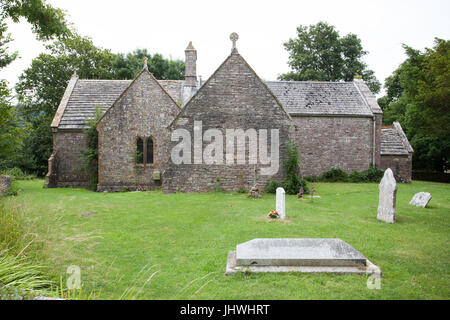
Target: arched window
[149,158]
[139,150]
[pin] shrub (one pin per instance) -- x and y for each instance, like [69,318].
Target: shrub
[357,176]
[12,191]
[17,174]
[272,185]
[242,190]
[373,174]
[335,175]
[312,178]
[293,182]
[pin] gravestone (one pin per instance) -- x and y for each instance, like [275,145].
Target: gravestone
[5,184]
[280,203]
[421,199]
[301,255]
[387,198]
[254,193]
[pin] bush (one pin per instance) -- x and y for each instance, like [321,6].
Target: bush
[372,174]
[242,190]
[335,175]
[17,174]
[312,178]
[293,182]
[357,176]
[272,185]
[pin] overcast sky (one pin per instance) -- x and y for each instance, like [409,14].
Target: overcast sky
[263,26]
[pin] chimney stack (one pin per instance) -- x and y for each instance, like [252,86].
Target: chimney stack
[190,74]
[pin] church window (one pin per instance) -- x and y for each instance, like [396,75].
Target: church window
[139,151]
[150,152]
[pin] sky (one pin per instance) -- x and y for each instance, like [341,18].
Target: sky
[166,27]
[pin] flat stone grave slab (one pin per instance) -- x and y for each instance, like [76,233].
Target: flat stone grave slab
[298,255]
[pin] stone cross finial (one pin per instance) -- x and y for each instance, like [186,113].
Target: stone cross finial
[145,63]
[234,37]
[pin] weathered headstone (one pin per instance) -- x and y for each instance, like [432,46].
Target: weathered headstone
[388,191]
[5,184]
[301,255]
[254,193]
[280,203]
[421,199]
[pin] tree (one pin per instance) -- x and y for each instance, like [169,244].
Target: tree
[46,21]
[319,53]
[5,57]
[433,90]
[129,65]
[418,96]
[9,130]
[42,85]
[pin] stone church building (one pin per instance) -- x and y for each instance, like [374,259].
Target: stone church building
[333,124]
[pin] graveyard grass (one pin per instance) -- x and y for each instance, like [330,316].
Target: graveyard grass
[149,245]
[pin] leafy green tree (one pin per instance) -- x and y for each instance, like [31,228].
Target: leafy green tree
[319,53]
[46,21]
[418,96]
[5,57]
[9,130]
[42,85]
[127,66]
[433,91]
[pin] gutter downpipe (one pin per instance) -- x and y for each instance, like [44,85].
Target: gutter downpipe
[374,139]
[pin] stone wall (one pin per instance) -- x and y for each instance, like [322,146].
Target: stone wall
[233,98]
[5,184]
[65,166]
[401,166]
[144,110]
[333,142]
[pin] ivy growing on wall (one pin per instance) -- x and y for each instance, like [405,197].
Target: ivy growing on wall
[293,182]
[89,155]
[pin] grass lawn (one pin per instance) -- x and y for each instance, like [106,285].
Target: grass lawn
[175,246]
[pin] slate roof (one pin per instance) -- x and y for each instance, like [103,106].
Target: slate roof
[297,97]
[87,94]
[320,98]
[394,141]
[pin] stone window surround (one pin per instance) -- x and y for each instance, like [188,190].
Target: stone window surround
[144,140]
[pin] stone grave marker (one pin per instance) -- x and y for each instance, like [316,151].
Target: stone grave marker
[5,183]
[421,199]
[387,198]
[299,255]
[281,203]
